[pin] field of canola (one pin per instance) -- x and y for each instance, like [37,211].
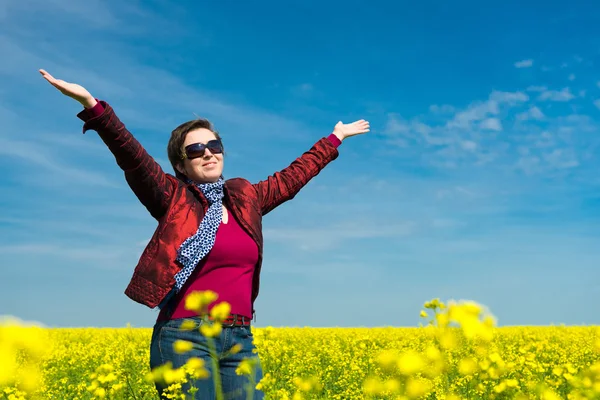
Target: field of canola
[457,354]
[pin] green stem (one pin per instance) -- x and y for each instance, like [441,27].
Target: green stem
[216,376]
[130,388]
[251,385]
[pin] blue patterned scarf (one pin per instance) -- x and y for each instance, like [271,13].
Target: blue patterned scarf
[197,246]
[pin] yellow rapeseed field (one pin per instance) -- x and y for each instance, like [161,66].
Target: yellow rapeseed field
[457,354]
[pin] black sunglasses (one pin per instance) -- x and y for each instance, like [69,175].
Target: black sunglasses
[196,150]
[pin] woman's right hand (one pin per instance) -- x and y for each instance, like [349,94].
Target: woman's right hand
[72,90]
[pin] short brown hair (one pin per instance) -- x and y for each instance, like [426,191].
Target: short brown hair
[175,146]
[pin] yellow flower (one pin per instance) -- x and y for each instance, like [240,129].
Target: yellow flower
[117,386]
[417,388]
[548,394]
[499,388]
[236,348]
[187,325]
[8,361]
[372,386]
[182,346]
[423,314]
[308,384]
[195,363]
[448,340]
[495,357]
[266,381]
[518,362]
[30,378]
[387,360]
[196,367]
[442,320]
[410,363]
[597,345]
[433,353]
[221,311]
[512,383]
[245,367]
[391,385]
[198,301]
[174,375]
[467,366]
[211,330]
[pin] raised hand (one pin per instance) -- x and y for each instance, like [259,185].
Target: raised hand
[343,131]
[72,90]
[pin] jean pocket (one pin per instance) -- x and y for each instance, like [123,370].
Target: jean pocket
[245,332]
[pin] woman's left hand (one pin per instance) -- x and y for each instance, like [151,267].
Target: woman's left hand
[343,131]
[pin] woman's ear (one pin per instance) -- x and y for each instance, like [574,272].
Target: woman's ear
[180,169]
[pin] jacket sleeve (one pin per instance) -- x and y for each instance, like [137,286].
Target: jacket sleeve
[143,174]
[285,184]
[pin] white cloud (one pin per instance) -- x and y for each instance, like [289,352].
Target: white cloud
[93,12]
[126,80]
[572,77]
[492,124]
[475,112]
[303,89]
[468,145]
[536,113]
[556,95]
[548,145]
[34,155]
[509,97]
[479,111]
[106,256]
[327,237]
[537,88]
[466,137]
[402,133]
[524,63]
[544,140]
[533,113]
[528,164]
[562,158]
[443,109]
[396,125]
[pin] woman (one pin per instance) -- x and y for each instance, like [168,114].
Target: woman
[209,234]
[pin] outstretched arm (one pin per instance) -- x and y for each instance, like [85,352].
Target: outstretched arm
[285,184]
[143,174]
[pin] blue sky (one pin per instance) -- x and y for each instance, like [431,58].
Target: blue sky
[479,179]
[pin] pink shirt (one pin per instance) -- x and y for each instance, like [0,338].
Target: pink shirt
[227,269]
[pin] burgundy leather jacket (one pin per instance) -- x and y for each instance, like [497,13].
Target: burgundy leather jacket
[179,208]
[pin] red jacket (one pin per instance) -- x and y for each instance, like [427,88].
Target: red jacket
[179,208]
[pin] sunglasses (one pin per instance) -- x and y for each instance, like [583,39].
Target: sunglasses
[196,150]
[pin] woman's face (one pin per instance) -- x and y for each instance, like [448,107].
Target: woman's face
[208,167]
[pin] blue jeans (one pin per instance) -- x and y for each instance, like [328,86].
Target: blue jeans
[233,386]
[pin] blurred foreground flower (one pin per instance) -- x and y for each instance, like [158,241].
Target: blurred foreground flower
[22,347]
